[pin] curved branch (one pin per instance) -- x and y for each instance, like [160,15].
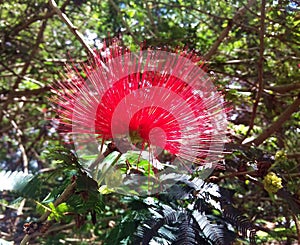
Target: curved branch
[33,19]
[226,31]
[285,88]
[72,28]
[278,123]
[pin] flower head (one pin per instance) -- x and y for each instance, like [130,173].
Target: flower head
[153,97]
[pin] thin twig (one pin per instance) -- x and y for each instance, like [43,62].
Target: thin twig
[260,69]
[235,174]
[34,51]
[285,88]
[62,198]
[226,31]
[240,77]
[72,28]
[194,8]
[210,15]
[115,6]
[293,155]
[24,24]
[278,123]
[54,229]
[297,224]
[76,33]
[19,213]
[151,19]
[30,21]
[19,135]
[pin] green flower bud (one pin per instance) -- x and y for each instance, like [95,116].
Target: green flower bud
[280,156]
[272,183]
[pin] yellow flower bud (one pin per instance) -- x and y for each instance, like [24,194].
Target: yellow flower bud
[272,183]
[280,156]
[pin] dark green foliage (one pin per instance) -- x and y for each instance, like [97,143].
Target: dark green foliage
[292,202]
[33,189]
[65,158]
[196,216]
[124,231]
[87,196]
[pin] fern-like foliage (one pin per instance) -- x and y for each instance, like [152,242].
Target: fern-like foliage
[183,226]
[213,228]
[190,212]
[242,224]
[14,181]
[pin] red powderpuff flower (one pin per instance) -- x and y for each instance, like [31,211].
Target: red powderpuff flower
[154,97]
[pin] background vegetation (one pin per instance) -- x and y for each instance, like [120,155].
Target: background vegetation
[252,52]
